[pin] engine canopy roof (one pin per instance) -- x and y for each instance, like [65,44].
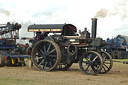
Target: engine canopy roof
[51,27]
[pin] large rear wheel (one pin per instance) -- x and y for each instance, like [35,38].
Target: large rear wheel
[46,55]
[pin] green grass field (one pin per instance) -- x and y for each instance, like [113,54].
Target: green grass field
[119,60]
[12,81]
[14,76]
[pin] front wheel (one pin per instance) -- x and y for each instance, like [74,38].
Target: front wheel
[91,63]
[107,62]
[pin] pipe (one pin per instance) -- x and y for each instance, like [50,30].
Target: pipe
[94,27]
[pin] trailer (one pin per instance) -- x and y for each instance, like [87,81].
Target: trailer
[58,46]
[11,53]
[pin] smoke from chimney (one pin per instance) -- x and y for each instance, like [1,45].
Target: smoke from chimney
[5,12]
[102,13]
[119,8]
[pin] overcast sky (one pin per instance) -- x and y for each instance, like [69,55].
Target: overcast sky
[112,14]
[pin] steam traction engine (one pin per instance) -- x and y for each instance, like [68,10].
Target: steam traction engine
[64,47]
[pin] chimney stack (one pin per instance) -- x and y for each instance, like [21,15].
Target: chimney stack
[94,27]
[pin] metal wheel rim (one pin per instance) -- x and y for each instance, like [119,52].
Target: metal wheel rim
[91,63]
[49,56]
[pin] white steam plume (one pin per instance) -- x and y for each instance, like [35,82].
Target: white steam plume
[5,12]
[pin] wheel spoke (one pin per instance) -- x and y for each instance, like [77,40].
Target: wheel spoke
[87,68]
[96,63]
[89,57]
[90,69]
[50,64]
[96,67]
[53,56]
[41,62]
[106,66]
[49,47]
[41,51]
[52,51]
[94,58]
[40,57]
[45,64]
[44,49]
[94,70]
[105,57]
